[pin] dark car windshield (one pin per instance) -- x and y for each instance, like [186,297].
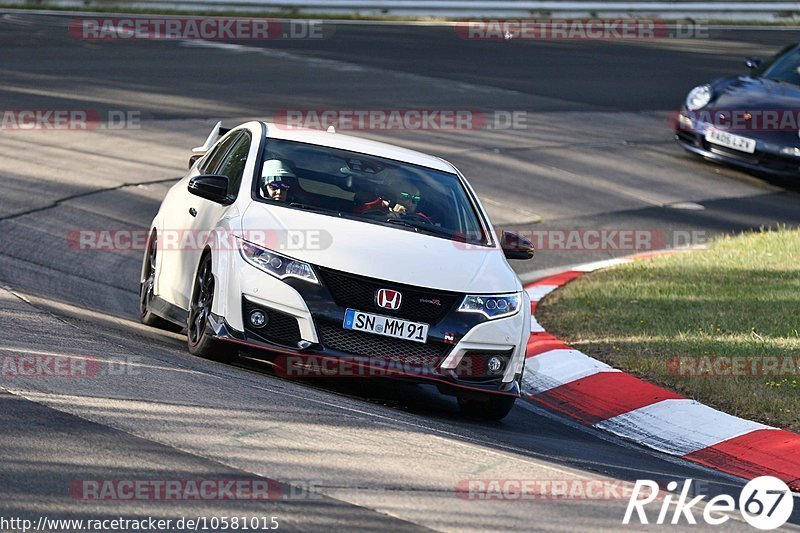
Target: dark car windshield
[783,66]
[368,188]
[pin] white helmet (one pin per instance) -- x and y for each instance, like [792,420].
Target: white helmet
[274,174]
[274,170]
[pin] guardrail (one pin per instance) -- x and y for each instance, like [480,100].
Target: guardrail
[713,10]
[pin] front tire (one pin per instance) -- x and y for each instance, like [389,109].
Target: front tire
[199,341]
[486,406]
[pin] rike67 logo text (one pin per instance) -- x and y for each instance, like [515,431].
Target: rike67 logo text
[765,503]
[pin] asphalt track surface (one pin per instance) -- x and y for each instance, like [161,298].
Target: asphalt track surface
[596,152]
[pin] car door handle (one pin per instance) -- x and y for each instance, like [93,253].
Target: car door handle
[193,211]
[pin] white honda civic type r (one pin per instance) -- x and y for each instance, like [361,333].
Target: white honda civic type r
[330,254]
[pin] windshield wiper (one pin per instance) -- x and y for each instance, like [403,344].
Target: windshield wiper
[421,227]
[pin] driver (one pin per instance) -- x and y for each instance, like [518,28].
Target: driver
[408,198]
[275,177]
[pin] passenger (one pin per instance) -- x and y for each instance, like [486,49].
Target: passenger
[368,201]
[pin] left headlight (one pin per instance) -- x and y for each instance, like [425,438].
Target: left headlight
[276,264]
[698,97]
[491,306]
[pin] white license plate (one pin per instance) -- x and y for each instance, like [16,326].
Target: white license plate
[737,142]
[386,326]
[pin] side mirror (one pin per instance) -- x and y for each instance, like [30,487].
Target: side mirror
[193,159]
[515,246]
[753,63]
[211,187]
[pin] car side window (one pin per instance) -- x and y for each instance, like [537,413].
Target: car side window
[211,162]
[233,164]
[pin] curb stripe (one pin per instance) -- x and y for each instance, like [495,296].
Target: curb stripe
[597,397]
[570,382]
[591,267]
[678,427]
[552,369]
[537,292]
[535,326]
[758,453]
[543,342]
[558,279]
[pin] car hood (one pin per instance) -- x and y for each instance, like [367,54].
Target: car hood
[753,94]
[747,92]
[388,253]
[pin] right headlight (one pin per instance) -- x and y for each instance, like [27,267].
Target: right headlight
[698,97]
[491,306]
[276,264]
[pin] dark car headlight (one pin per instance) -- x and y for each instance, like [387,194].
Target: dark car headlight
[491,306]
[698,98]
[276,264]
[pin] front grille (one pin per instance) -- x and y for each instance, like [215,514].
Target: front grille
[752,159]
[688,137]
[334,337]
[280,329]
[358,292]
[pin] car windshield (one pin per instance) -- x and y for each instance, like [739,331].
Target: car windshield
[368,188]
[783,67]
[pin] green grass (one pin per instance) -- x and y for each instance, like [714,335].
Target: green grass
[739,297]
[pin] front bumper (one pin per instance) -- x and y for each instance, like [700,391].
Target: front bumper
[766,159]
[307,333]
[314,360]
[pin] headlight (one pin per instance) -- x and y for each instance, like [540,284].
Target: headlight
[494,306]
[791,150]
[698,97]
[276,264]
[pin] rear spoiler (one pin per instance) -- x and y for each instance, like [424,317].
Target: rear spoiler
[216,132]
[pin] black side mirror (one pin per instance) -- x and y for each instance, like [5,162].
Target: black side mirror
[515,246]
[211,187]
[753,63]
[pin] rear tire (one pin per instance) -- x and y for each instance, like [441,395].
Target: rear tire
[199,341]
[486,406]
[147,289]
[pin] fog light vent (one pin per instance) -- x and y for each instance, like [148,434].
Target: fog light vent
[258,318]
[494,365]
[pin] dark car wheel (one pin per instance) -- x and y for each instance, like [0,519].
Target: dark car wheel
[200,343]
[147,289]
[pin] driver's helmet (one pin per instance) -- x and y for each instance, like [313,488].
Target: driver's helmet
[275,173]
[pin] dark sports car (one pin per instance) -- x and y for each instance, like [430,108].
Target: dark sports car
[752,121]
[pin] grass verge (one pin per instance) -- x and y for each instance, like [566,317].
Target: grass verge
[719,325]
